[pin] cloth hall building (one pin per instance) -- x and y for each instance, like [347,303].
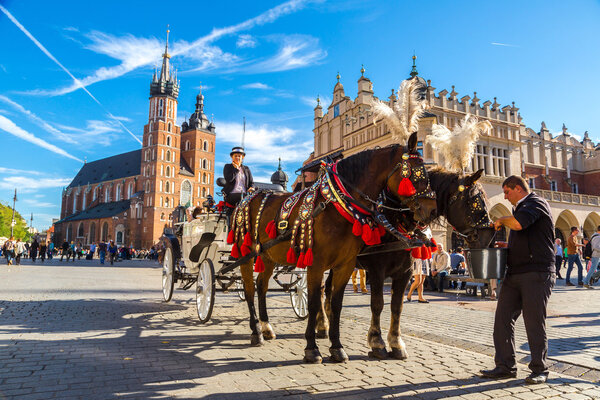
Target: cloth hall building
[128,197]
[562,169]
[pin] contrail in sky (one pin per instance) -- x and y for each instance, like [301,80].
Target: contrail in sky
[77,81]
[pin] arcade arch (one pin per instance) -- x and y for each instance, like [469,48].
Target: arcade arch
[591,224]
[562,226]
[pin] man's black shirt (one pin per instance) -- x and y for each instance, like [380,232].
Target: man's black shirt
[532,248]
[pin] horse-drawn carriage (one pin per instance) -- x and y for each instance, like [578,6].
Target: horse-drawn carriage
[196,253]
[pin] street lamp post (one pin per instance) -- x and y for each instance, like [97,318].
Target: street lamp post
[12,221]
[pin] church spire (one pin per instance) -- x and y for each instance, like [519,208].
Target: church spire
[166,83]
[165,70]
[414,71]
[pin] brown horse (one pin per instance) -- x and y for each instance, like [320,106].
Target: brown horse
[334,245]
[463,203]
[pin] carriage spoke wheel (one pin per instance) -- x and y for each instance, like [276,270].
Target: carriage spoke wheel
[205,290]
[168,270]
[239,285]
[299,298]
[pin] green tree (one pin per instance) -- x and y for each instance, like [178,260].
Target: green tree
[20,230]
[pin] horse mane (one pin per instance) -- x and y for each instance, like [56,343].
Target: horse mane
[353,168]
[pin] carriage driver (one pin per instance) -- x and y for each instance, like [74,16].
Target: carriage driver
[238,177]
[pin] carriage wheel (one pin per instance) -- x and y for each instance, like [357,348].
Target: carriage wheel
[205,290]
[168,279]
[239,285]
[299,298]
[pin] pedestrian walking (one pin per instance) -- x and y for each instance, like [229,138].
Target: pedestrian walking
[595,257]
[420,269]
[43,251]
[50,250]
[102,251]
[573,247]
[20,250]
[34,249]
[558,256]
[9,250]
[65,250]
[78,250]
[362,280]
[112,252]
[529,280]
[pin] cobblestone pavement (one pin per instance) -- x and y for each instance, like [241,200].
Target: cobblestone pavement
[84,331]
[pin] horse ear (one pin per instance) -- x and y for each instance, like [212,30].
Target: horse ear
[412,143]
[471,179]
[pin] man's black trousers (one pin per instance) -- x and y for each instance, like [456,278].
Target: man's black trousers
[527,293]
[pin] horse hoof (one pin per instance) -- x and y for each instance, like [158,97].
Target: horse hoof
[338,355]
[321,335]
[398,354]
[256,340]
[380,354]
[269,335]
[312,356]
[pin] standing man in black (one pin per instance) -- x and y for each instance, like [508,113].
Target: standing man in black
[528,284]
[237,176]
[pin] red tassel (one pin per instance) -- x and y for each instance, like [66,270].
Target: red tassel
[375,237]
[291,256]
[406,188]
[308,258]
[416,252]
[235,251]
[230,237]
[271,230]
[300,263]
[245,250]
[426,253]
[259,265]
[382,230]
[366,233]
[357,228]
[247,239]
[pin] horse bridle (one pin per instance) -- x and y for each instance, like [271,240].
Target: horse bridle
[476,205]
[416,175]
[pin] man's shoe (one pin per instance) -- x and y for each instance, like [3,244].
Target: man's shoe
[587,286]
[569,284]
[534,378]
[497,373]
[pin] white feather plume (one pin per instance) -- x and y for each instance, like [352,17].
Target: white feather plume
[403,117]
[457,146]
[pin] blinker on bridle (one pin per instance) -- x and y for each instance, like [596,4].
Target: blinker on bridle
[411,177]
[475,205]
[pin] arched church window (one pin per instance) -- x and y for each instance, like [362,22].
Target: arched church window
[168,171]
[149,140]
[80,230]
[160,107]
[74,203]
[186,193]
[169,137]
[167,186]
[205,146]
[187,144]
[168,155]
[205,163]
[118,192]
[130,190]
[204,178]
[107,195]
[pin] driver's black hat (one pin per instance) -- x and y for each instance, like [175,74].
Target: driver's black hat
[237,149]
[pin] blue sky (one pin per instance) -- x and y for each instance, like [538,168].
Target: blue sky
[267,61]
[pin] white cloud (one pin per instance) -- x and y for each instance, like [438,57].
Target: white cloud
[503,44]
[256,85]
[295,51]
[27,184]
[12,171]
[10,127]
[36,203]
[264,144]
[312,101]
[245,40]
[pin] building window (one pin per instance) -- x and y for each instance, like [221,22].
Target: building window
[74,203]
[167,186]
[149,140]
[118,192]
[420,147]
[203,192]
[107,195]
[160,107]
[167,202]
[480,160]
[204,178]
[168,171]
[205,146]
[553,186]
[84,200]
[169,137]
[187,144]
[130,190]
[531,183]
[575,188]
[204,164]
[169,128]
[92,237]
[168,155]
[186,193]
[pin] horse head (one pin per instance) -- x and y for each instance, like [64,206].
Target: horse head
[464,204]
[409,182]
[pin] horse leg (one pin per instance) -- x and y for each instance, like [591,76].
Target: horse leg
[394,339]
[325,309]
[313,281]
[374,339]
[256,338]
[339,281]
[262,285]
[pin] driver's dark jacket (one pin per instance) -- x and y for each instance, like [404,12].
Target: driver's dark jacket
[532,248]
[230,172]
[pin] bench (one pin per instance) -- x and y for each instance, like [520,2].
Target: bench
[472,285]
